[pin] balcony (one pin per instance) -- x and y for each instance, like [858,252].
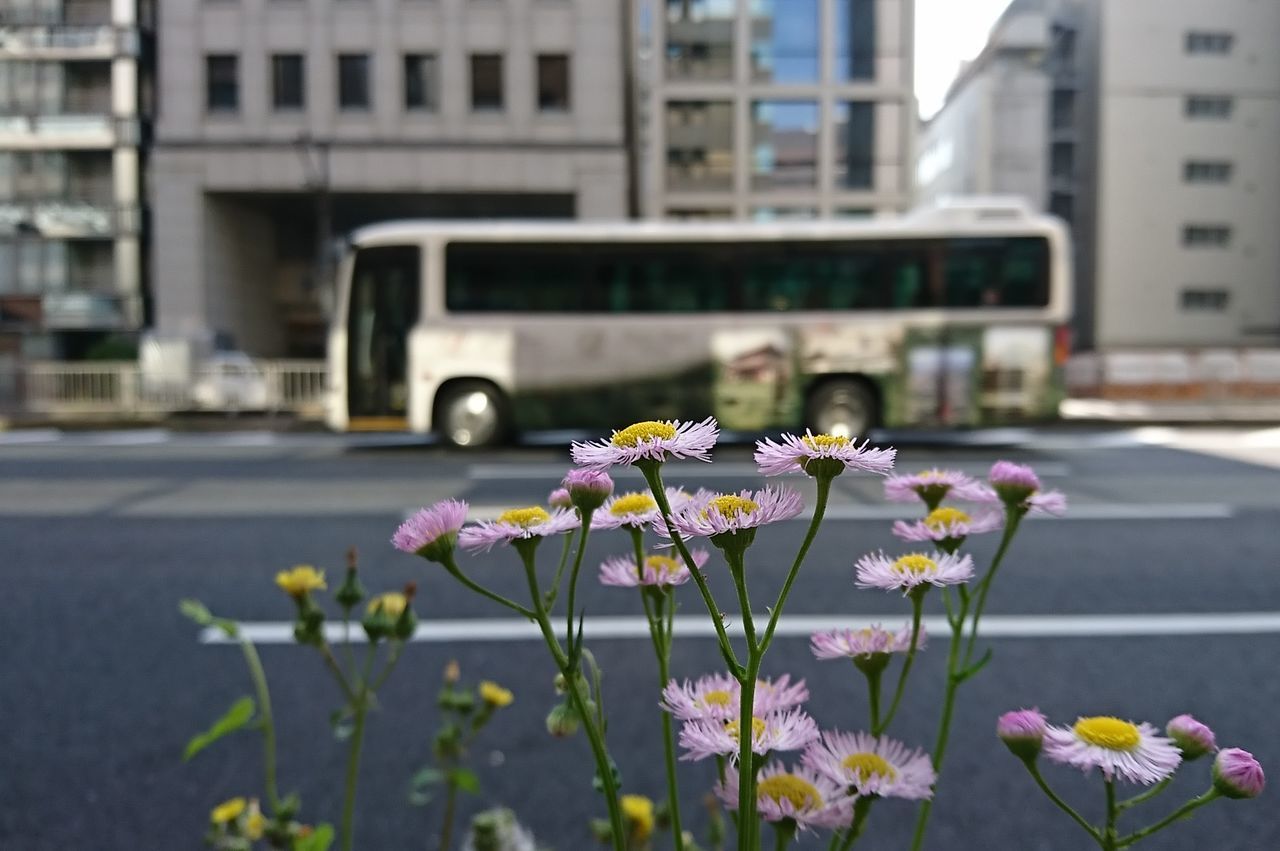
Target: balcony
[66,43]
[69,219]
[66,132]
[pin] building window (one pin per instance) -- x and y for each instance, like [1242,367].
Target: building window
[288,81]
[1062,161]
[699,214]
[699,145]
[1205,300]
[1206,236]
[1062,205]
[553,82]
[855,39]
[1199,41]
[421,82]
[1062,109]
[785,35]
[486,81]
[784,144]
[222,83]
[1206,171]
[783,214]
[353,81]
[1208,106]
[699,39]
[855,144]
[1062,45]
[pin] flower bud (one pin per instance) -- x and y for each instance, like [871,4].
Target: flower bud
[559,498]
[350,593]
[562,721]
[495,695]
[1236,774]
[1022,731]
[588,489]
[1192,738]
[1013,483]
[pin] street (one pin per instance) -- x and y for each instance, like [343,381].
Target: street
[1157,594]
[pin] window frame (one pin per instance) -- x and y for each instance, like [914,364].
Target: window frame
[429,83]
[278,78]
[365,103]
[231,85]
[498,104]
[550,60]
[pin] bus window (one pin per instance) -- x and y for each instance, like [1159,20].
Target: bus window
[515,278]
[996,272]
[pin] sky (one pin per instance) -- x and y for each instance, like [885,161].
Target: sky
[948,32]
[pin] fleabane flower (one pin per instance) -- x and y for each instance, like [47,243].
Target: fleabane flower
[300,580]
[866,646]
[659,570]
[799,794]
[432,532]
[714,516]
[948,524]
[820,456]
[1236,774]
[778,731]
[872,766]
[912,571]
[1018,487]
[932,486]
[715,696]
[228,811]
[1193,738]
[515,525]
[652,440]
[495,695]
[1022,731]
[588,489]
[636,509]
[559,498]
[1133,752]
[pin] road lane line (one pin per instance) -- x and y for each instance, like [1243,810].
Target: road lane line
[677,470]
[694,626]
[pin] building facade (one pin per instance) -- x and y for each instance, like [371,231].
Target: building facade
[768,109]
[72,106]
[1158,141]
[283,124]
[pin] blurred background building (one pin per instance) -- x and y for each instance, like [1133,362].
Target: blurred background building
[770,109]
[282,125]
[1153,128]
[73,95]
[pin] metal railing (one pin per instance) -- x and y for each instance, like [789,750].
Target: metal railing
[120,389]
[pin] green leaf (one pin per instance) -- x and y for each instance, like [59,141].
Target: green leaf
[465,779]
[200,614]
[319,840]
[341,724]
[240,713]
[420,785]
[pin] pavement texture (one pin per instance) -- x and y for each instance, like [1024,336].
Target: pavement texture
[104,681]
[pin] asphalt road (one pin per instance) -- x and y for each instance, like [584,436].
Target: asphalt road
[102,681]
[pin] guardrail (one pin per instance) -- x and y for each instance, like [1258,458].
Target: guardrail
[120,389]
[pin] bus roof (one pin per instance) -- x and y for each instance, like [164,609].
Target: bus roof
[979,218]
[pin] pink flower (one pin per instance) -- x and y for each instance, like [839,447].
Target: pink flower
[653,440]
[432,532]
[714,515]
[1133,752]
[716,697]
[588,489]
[1022,731]
[800,794]
[559,498]
[862,643]
[636,509]
[1236,774]
[659,570]
[517,524]
[820,455]
[948,524]
[1017,485]
[1192,738]
[789,730]
[908,572]
[932,486]
[873,766]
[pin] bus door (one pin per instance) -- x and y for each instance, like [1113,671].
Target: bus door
[942,376]
[383,307]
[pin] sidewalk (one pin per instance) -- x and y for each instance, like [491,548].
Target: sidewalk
[1135,411]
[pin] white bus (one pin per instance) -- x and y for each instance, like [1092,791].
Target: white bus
[476,331]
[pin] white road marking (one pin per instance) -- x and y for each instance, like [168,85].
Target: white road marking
[673,472]
[22,437]
[799,626]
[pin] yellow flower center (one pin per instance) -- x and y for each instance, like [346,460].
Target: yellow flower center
[663,565]
[734,728]
[300,579]
[638,811]
[634,435]
[632,503]
[730,506]
[717,697]
[799,792]
[391,604]
[524,517]
[916,564]
[864,765]
[495,695]
[941,518]
[1108,732]
[824,441]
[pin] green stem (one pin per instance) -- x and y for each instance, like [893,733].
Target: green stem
[784,831]
[746,753]
[1034,770]
[1145,796]
[589,724]
[860,811]
[331,662]
[873,696]
[554,591]
[653,476]
[1109,839]
[1013,518]
[259,677]
[662,644]
[944,723]
[573,577]
[738,570]
[917,608]
[360,709]
[450,804]
[819,509]
[454,571]
[397,647]
[1180,813]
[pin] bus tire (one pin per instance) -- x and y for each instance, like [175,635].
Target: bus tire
[471,415]
[844,407]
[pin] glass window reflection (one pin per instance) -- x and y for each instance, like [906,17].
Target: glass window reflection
[699,145]
[855,26]
[855,144]
[785,38]
[700,39]
[784,144]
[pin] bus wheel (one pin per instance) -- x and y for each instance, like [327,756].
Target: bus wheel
[471,415]
[842,408]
